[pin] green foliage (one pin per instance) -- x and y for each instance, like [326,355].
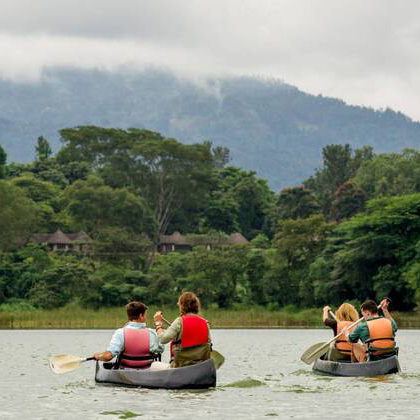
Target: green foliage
[241,201]
[390,174]
[43,149]
[368,253]
[297,244]
[120,246]
[92,206]
[36,189]
[169,175]
[296,203]
[339,165]
[125,187]
[18,216]
[348,200]
[3,159]
[217,276]
[59,284]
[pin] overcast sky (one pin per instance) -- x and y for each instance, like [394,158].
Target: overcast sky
[363,51]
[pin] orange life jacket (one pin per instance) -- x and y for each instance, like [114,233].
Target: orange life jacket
[341,343]
[136,348]
[194,331]
[380,333]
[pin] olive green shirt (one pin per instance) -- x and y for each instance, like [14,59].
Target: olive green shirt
[362,331]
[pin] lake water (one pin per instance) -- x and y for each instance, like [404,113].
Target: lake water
[272,381]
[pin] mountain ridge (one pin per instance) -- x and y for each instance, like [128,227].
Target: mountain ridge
[270,127]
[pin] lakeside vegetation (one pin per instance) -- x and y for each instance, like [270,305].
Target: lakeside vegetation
[111,318]
[351,232]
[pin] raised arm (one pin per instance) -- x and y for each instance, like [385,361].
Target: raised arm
[325,313]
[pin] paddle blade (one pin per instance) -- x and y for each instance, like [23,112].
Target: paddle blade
[64,363]
[218,358]
[314,352]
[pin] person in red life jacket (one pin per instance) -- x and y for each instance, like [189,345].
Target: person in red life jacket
[135,345]
[345,315]
[189,333]
[377,333]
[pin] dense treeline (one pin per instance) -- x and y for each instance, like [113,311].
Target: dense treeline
[351,231]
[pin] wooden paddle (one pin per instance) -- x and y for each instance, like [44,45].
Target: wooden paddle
[315,352]
[332,315]
[64,363]
[215,355]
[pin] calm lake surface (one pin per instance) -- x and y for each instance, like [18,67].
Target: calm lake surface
[273,381]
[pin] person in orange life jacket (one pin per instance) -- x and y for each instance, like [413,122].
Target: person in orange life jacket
[345,315]
[376,331]
[189,333]
[135,344]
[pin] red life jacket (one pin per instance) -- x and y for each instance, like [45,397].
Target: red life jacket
[136,348]
[195,331]
[380,333]
[341,343]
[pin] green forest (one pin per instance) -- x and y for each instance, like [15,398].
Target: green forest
[351,231]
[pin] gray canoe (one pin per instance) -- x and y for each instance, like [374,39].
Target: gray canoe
[375,368]
[201,375]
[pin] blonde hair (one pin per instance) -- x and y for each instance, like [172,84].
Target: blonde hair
[346,312]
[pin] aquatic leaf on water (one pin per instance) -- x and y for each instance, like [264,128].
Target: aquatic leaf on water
[298,389]
[245,383]
[121,414]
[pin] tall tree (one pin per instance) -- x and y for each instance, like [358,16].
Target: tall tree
[3,159]
[348,200]
[390,174]
[93,206]
[339,165]
[252,196]
[43,149]
[296,203]
[18,216]
[169,175]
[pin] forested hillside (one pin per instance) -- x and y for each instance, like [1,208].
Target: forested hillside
[350,232]
[269,126]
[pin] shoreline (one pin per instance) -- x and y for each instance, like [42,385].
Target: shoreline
[73,317]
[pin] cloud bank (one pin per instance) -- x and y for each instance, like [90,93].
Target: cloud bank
[362,51]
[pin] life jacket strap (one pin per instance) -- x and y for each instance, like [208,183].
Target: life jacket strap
[149,357]
[381,338]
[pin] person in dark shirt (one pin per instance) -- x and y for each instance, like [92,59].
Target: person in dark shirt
[344,316]
[346,312]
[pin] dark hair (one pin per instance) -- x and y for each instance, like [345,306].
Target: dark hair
[369,305]
[135,309]
[188,303]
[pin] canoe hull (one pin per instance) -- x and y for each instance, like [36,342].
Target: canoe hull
[376,368]
[199,376]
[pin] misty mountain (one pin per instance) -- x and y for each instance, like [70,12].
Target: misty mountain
[270,127]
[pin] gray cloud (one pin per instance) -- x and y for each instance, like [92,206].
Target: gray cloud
[362,51]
